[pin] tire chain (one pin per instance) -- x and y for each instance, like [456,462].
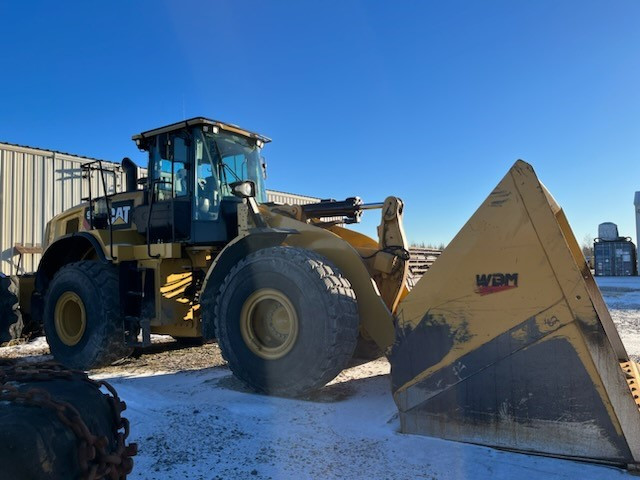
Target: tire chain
[94,458]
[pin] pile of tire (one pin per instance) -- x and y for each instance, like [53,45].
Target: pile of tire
[57,423]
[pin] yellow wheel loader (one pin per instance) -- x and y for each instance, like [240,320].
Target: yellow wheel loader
[505,341]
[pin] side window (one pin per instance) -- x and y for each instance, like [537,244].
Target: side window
[180,176]
[172,176]
[207,183]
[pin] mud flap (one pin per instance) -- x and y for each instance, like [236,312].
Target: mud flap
[507,342]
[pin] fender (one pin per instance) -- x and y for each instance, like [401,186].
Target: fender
[68,248]
[376,319]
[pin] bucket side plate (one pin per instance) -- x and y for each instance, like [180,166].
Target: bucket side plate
[506,340]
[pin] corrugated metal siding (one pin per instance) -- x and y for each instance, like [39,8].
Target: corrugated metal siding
[289,198]
[36,185]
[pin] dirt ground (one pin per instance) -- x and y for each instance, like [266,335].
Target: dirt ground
[164,355]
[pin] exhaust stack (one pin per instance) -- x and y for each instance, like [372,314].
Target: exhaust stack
[131,174]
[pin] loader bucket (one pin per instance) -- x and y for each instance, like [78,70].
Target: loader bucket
[507,342]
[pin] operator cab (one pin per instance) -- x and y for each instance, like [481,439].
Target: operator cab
[191,167]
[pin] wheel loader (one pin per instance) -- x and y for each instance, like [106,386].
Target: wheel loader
[505,341]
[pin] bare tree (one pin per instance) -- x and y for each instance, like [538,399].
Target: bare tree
[433,246]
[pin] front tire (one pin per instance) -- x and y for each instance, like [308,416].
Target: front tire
[286,321]
[83,320]
[10,317]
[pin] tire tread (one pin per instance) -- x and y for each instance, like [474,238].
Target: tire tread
[341,308]
[106,285]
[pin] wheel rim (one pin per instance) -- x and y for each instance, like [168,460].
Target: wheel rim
[269,324]
[70,318]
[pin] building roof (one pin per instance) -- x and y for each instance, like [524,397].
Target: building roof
[49,151]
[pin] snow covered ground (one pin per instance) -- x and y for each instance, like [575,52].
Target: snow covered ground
[622,295]
[193,420]
[203,425]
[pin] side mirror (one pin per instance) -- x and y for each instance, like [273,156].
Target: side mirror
[168,149]
[244,189]
[263,165]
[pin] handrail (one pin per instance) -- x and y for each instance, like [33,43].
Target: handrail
[89,167]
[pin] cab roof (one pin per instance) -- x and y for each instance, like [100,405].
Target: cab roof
[196,121]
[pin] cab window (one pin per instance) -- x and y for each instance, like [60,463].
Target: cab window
[170,175]
[207,182]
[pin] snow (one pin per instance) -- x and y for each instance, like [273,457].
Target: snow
[622,295]
[203,424]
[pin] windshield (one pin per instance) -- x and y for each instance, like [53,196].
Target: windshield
[230,158]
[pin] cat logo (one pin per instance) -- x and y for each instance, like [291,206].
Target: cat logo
[120,214]
[487,283]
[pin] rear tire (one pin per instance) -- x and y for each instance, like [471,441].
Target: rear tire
[10,317]
[287,321]
[83,320]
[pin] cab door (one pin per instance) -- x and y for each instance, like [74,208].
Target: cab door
[214,219]
[170,188]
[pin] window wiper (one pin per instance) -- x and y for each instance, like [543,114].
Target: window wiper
[224,165]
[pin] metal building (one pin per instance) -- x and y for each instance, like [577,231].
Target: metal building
[37,184]
[289,198]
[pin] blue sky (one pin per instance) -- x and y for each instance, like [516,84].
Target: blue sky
[430,101]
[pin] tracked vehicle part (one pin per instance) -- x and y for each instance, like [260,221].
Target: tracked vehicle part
[56,423]
[287,321]
[10,316]
[507,342]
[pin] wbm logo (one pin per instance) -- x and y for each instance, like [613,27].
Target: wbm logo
[487,283]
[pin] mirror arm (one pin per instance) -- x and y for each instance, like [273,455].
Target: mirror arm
[255,212]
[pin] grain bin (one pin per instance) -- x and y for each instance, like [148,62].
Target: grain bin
[608,231]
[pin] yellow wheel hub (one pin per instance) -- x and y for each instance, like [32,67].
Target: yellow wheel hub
[70,318]
[269,323]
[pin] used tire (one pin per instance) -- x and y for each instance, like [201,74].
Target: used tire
[10,316]
[83,321]
[286,321]
[36,402]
